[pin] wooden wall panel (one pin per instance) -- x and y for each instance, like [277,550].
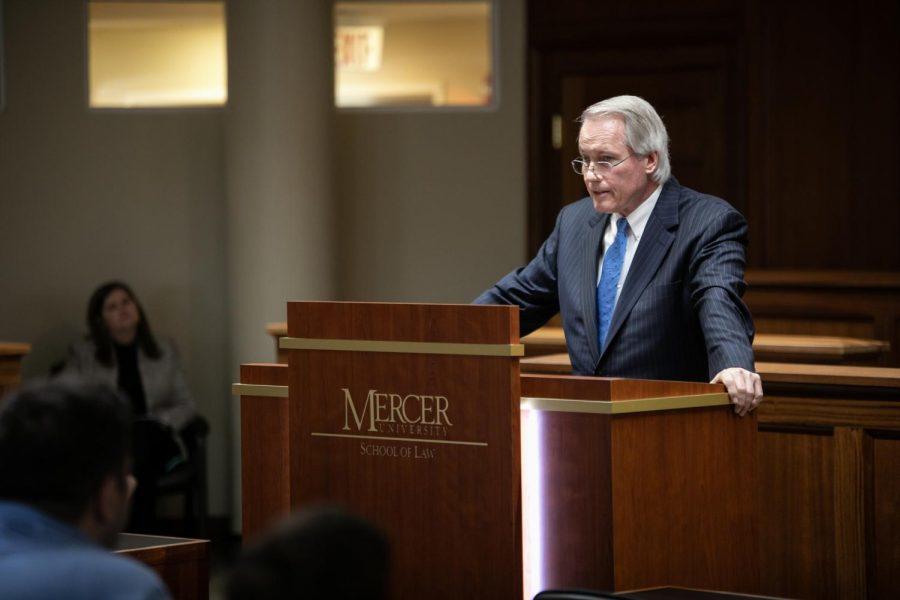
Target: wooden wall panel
[849,511]
[812,103]
[825,146]
[830,463]
[885,519]
[796,508]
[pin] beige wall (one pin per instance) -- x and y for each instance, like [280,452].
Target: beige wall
[433,202]
[431,206]
[87,196]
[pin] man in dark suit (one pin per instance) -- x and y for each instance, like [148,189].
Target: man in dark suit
[647,274]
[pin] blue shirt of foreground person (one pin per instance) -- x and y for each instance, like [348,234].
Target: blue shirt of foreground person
[64,491]
[647,274]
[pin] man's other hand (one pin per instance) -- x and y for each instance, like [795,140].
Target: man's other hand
[744,387]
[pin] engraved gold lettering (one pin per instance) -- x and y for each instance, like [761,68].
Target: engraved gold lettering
[396,404]
[350,407]
[442,405]
[406,415]
[381,408]
[427,408]
[396,413]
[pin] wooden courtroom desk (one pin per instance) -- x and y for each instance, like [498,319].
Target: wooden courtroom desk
[829,478]
[11,356]
[856,304]
[182,563]
[766,347]
[549,364]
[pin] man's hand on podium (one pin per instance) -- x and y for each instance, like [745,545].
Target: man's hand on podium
[744,387]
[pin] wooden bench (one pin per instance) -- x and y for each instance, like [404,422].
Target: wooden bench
[11,356]
[770,347]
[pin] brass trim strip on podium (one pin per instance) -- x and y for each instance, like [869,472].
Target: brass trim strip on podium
[291,343]
[255,389]
[620,407]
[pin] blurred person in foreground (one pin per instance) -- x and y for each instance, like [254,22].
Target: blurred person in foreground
[65,486]
[316,554]
[121,351]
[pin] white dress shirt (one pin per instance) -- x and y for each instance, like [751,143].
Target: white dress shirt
[637,221]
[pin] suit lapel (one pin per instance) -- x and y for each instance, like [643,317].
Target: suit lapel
[651,251]
[589,265]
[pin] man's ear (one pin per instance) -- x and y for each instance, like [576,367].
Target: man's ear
[113,497]
[652,163]
[107,502]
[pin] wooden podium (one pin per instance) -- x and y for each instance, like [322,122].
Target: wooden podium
[410,415]
[633,484]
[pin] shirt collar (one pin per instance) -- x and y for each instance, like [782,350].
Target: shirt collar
[637,220]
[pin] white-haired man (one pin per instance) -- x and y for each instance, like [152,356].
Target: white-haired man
[647,274]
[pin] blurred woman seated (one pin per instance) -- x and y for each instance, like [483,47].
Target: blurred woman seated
[121,350]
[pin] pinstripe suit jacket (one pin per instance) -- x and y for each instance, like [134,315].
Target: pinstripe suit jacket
[679,315]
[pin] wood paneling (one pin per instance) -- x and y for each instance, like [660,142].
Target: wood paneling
[823,143]
[849,507]
[885,516]
[829,462]
[796,508]
[792,116]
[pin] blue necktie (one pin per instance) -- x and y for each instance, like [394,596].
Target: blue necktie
[609,280]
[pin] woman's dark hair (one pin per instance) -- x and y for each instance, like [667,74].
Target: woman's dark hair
[99,333]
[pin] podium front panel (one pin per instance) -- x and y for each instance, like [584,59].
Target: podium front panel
[408,416]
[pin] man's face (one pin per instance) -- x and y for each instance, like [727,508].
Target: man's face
[626,185]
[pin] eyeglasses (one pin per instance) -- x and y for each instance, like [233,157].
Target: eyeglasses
[581,166]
